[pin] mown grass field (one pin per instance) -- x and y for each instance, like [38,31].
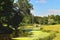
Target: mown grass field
[51,27]
[35,36]
[41,34]
[54,28]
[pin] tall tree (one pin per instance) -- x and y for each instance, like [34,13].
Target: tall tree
[25,6]
[12,14]
[5,11]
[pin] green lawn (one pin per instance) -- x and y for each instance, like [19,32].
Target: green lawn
[54,28]
[36,35]
[41,34]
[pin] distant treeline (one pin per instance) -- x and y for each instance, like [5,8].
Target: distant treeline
[50,19]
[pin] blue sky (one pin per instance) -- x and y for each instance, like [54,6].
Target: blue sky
[45,7]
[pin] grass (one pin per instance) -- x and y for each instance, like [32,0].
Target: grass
[36,35]
[40,34]
[53,28]
[23,38]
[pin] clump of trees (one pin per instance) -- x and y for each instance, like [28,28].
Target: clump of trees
[50,19]
[12,14]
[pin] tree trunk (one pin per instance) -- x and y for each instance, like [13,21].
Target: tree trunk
[16,34]
[5,37]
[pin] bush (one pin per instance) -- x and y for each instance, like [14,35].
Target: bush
[22,24]
[53,23]
[25,24]
[41,28]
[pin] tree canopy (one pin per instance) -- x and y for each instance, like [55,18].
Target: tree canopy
[12,14]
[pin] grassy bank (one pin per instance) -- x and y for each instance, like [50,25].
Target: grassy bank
[53,28]
[48,32]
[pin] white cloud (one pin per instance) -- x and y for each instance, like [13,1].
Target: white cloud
[53,11]
[41,1]
[46,13]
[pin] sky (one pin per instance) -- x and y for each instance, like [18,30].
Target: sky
[45,7]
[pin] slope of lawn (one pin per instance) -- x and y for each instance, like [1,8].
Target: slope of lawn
[57,37]
[54,28]
[35,36]
[23,38]
[51,27]
[39,34]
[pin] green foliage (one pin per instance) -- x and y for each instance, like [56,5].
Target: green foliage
[41,20]
[25,6]
[22,24]
[26,19]
[38,20]
[5,9]
[13,14]
[47,20]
